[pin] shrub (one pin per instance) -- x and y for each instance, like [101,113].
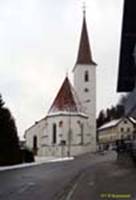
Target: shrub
[27,155]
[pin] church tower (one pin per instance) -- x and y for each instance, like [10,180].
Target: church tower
[85,80]
[69,129]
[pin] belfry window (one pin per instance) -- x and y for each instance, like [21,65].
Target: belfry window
[86,76]
[86,90]
[54,134]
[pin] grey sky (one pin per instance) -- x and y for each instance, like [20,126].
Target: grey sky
[39,41]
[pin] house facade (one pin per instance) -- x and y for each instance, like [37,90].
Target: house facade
[123,128]
[69,128]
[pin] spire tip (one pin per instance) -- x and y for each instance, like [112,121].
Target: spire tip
[67,73]
[84,8]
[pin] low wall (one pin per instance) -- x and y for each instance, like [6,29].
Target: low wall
[63,151]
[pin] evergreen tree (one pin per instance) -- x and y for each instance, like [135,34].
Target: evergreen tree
[113,112]
[9,142]
[1,102]
[120,111]
[108,115]
[101,119]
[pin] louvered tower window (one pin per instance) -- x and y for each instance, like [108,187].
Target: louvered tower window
[86,76]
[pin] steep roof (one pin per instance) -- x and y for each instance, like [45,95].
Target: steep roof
[133,120]
[115,122]
[66,100]
[110,124]
[84,52]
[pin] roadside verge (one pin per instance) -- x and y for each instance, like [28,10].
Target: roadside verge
[39,161]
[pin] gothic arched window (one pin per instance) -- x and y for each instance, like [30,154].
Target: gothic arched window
[61,124]
[35,146]
[86,76]
[35,142]
[54,134]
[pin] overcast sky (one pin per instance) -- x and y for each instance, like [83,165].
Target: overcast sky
[39,42]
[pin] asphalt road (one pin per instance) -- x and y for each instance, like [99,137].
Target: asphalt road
[106,181]
[87,177]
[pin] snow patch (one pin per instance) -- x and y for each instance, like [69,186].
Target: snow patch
[38,161]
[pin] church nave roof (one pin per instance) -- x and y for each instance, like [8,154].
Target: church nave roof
[66,100]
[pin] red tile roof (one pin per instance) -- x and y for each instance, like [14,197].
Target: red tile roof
[66,99]
[84,53]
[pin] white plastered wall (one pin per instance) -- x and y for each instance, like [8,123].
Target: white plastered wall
[88,99]
[43,131]
[69,122]
[36,130]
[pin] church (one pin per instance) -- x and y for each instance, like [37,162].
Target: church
[69,128]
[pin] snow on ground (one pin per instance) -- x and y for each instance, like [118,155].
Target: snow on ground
[38,161]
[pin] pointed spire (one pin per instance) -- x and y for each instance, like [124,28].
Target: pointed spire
[84,9]
[67,73]
[84,52]
[66,99]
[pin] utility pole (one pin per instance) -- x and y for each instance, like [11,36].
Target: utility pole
[69,135]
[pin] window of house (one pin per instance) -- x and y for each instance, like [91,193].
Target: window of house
[128,137]
[122,137]
[54,134]
[86,76]
[122,129]
[128,129]
[61,124]
[125,122]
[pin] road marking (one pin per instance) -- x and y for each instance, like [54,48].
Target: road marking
[71,191]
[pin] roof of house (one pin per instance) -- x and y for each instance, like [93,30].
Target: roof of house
[109,124]
[132,120]
[84,53]
[66,100]
[115,122]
